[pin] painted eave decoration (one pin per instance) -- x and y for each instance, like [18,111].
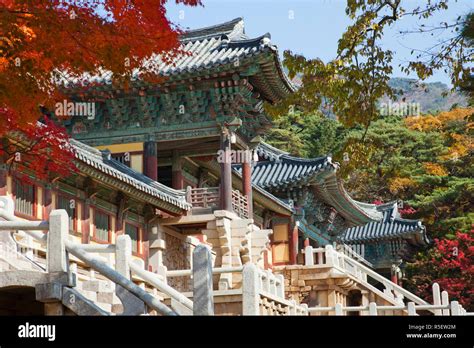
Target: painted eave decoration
[281,172]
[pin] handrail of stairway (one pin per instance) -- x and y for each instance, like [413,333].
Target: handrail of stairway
[385,281]
[353,253]
[332,258]
[216,270]
[93,262]
[153,279]
[117,278]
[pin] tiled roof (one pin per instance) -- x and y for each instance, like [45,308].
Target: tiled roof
[279,171]
[208,48]
[99,160]
[392,226]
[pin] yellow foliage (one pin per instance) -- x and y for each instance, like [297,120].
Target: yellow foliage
[434,169]
[397,185]
[423,123]
[428,123]
[458,114]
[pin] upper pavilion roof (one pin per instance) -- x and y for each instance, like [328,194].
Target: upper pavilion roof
[391,227]
[214,49]
[279,172]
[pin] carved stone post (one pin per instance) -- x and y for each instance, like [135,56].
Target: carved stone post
[157,247]
[250,290]
[203,298]
[223,227]
[58,232]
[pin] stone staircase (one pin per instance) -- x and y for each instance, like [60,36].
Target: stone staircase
[101,292]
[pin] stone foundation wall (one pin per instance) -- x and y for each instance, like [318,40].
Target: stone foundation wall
[324,287]
[175,257]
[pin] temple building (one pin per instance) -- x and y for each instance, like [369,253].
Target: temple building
[389,243]
[180,163]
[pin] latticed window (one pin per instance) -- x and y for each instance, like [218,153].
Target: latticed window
[69,205]
[133,232]
[24,197]
[102,226]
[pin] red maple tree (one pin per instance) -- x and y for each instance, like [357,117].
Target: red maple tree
[43,150]
[450,264]
[43,41]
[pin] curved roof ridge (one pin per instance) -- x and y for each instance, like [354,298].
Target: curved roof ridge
[307,160]
[232,28]
[249,41]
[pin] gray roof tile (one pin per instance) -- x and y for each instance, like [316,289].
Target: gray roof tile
[120,171]
[392,226]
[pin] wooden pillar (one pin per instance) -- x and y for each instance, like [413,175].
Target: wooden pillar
[294,245]
[150,160]
[48,201]
[226,173]
[146,247]
[86,222]
[306,242]
[247,183]
[3,180]
[177,175]
[121,204]
[394,276]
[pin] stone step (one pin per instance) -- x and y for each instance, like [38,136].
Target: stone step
[117,308]
[98,286]
[105,306]
[105,297]
[90,295]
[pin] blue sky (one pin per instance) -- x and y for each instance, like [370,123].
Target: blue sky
[311,27]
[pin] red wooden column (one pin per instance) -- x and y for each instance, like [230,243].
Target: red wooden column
[3,180]
[150,159]
[48,201]
[226,172]
[306,242]
[294,245]
[86,223]
[176,174]
[394,276]
[247,183]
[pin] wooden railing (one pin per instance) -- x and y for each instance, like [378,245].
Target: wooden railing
[209,197]
[203,197]
[240,204]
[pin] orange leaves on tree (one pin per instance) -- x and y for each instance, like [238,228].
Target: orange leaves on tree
[434,169]
[40,38]
[43,41]
[41,149]
[397,185]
